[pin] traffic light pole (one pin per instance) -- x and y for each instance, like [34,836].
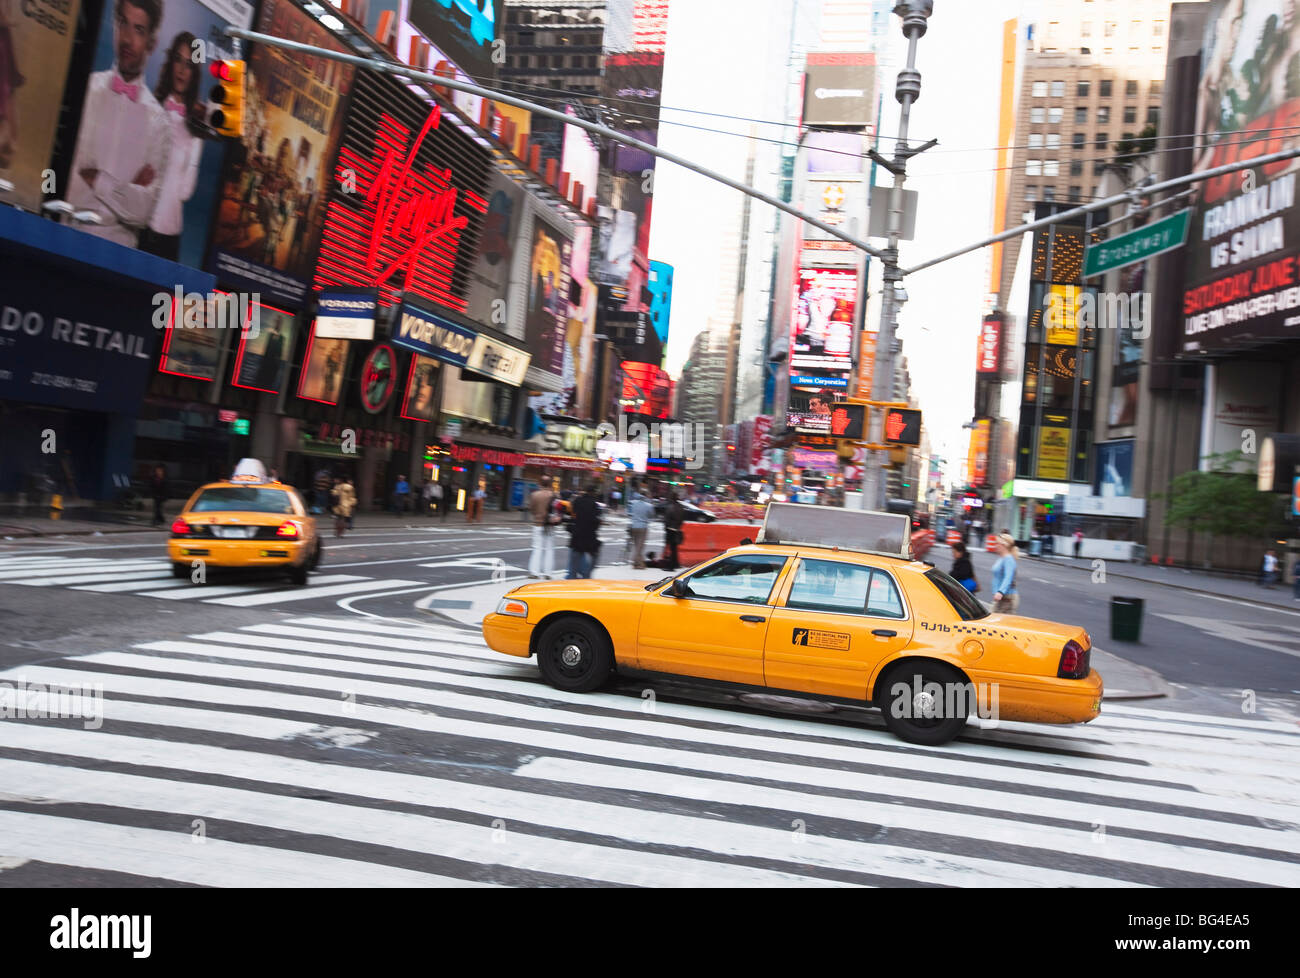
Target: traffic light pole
[907,89]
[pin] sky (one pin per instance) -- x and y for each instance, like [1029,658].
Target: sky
[960,63]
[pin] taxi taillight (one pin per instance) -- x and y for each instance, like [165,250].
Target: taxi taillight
[1074,661]
[180,527]
[287,529]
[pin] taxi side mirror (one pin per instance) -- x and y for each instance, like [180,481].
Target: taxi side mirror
[677,589]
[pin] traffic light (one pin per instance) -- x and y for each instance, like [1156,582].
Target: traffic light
[227,98]
[848,420]
[902,427]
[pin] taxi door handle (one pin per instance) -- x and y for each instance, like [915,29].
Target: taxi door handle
[752,618]
[884,632]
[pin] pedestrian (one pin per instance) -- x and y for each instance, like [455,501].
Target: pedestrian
[963,571]
[640,512]
[321,485]
[674,517]
[542,511]
[426,497]
[1268,573]
[158,489]
[344,499]
[435,498]
[1078,543]
[1005,597]
[584,544]
[474,512]
[982,528]
[401,493]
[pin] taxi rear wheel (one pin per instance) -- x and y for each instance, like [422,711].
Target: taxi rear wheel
[180,570]
[575,655]
[298,575]
[316,555]
[924,703]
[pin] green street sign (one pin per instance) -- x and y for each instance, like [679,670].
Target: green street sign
[239,426]
[1139,245]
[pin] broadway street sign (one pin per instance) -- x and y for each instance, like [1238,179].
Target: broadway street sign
[1139,245]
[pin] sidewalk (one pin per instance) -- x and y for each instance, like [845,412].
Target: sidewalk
[86,522]
[467,604]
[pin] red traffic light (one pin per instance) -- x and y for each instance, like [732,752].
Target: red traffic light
[221,70]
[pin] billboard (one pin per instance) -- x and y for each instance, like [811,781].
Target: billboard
[323,368]
[142,160]
[977,459]
[467,399]
[489,277]
[987,359]
[821,336]
[35,45]
[840,90]
[1241,274]
[272,192]
[661,303]
[345,315]
[624,456]
[647,389]
[192,339]
[811,400]
[420,402]
[466,31]
[547,312]
[265,346]
[1114,476]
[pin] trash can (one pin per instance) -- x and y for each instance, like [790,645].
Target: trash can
[1049,544]
[1126,619]
[1035,547]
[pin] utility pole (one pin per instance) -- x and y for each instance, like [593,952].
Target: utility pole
[907,89]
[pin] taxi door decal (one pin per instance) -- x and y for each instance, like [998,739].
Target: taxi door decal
[819,639]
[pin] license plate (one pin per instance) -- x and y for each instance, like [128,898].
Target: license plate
[234,532]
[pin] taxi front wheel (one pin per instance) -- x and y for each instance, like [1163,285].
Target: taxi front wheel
[925,703]
[574,655]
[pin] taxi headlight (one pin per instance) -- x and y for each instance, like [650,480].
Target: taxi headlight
[512,606]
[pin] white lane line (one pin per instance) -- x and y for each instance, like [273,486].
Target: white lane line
[141,577]
[201,592]
[478,843]
[1013,800]
[307,593]
[1255,606]
[59,570]
[1078,778]
[724,837]
[134,586]
[441,642]
[414,630]
[173,855]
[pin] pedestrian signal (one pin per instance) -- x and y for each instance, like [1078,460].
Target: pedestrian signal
[227,116]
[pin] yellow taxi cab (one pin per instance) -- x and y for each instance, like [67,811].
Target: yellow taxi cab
[246,521]
[828,604]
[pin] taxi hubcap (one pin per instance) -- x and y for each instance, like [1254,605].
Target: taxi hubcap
[923,705]
[571,655]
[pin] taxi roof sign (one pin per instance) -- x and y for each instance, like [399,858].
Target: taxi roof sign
[888,534]
[250,470]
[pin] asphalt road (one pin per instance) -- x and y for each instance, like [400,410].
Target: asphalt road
[259,733]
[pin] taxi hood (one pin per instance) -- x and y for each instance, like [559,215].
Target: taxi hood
[566,588]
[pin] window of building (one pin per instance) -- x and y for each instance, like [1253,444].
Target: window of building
[1053,140]
[1058,89]
[1033,168]
[1105,88]
[1135,29]
[1081,88]
[1076,168]
[1078,140]
[1110,28]
[1035,140]
[1054,114]
[1080,116]
[1157,28]
[1130,113]
[1103,113]
[1131,87]
[1031,192]
[1102,140]
[1097,167]
[1153,115]
[1076,192]
[1036,115]
[1085,29]
[1049,194]
[1039,89]
[1051,168]
[1157,87]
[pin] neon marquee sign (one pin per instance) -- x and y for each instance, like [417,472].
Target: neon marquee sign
[405,235]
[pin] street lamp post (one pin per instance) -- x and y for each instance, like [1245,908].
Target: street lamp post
[907,89]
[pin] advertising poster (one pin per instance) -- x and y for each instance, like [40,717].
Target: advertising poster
[467,399]
[421,401]
[272,189]
[835,151]
[465,30]
[546,325]
[190,347]
[490,276]
[264,349]
[840,90]
[35,44]
[1053,453]
[821,337]
[1114,469]
[977,460]
[375,17]
[1241,271]
[346,315]
[323,368]
[142,161]
[811,400]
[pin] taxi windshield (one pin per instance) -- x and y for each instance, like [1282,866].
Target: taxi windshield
[245,499]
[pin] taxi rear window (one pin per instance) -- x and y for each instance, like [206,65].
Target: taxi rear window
[962,601]
[244,498]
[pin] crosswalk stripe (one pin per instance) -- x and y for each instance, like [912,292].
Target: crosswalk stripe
[313,591]
[724,837]
[960,774]
[115,586]
[442,643]
[64,570]
[142,577]
[173,855]
[477,843]
[201,592]
[422,630]
[1086,812]
[988,758]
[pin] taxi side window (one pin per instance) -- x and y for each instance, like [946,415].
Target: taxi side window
[745,577]
[850,589]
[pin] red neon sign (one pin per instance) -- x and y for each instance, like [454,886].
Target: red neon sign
[405,236]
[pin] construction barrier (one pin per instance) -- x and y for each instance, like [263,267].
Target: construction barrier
[700,541]
[954,536]
[922,541]
[736,511]
[991,544]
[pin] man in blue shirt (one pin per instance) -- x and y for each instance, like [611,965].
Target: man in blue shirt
[639,514]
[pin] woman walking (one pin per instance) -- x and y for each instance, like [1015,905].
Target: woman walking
[963,571]
[345,500]
[1005,597]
